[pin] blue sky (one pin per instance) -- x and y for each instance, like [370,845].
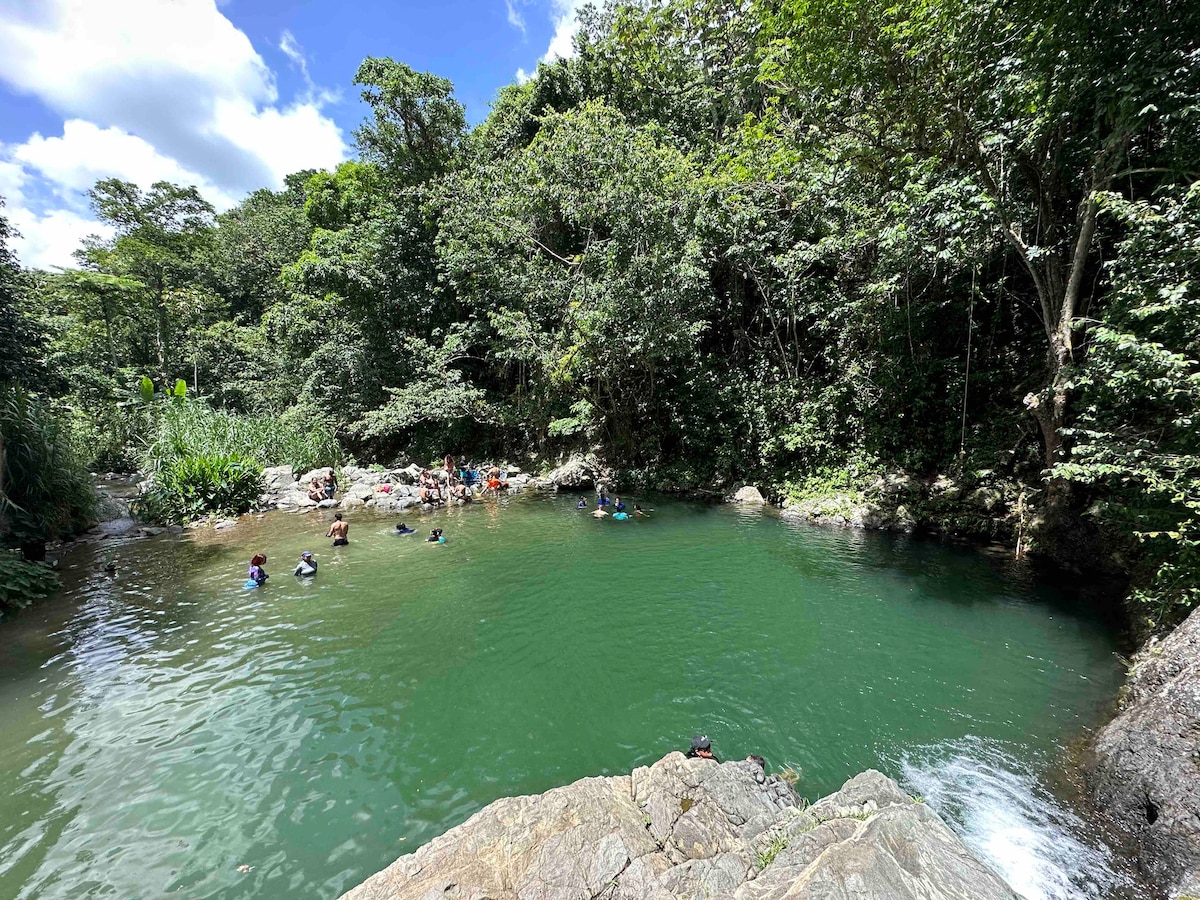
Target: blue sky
[228,95]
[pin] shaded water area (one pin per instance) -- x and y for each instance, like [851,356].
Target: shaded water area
[163,726]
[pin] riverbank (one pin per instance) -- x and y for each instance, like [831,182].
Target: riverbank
[695,828]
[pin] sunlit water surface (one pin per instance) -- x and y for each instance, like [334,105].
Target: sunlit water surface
[163,726]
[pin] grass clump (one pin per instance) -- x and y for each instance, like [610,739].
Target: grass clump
[45,491]
[203,460]
[767,855]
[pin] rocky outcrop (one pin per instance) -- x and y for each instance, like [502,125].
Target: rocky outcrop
[692,829]
[1146,767]
[385,490]
[899,502]
[577,473]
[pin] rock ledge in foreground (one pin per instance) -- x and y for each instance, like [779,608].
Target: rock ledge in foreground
[693,828]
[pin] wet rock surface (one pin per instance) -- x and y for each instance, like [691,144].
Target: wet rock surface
[1146,767]
[693,828]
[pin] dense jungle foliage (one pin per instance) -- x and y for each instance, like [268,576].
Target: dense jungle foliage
[791,242]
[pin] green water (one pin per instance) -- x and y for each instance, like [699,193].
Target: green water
[163,726]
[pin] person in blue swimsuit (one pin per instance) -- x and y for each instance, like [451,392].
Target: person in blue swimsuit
[404,529]
[619,506]
[256,573]
[582,504]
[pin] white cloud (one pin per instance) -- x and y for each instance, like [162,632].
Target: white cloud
[566,25]
[148,90]
[86,153]
[523,76]
[48,239]
[515,19]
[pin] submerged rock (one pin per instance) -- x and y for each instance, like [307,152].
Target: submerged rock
[693,828]
[1146,769]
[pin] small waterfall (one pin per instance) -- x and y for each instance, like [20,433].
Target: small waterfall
[1003,812]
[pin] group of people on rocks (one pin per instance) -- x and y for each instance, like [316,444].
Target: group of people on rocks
[437,486]
[320,489]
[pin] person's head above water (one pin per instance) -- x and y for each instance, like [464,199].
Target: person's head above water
[258,559]
[306,555]
[337,517]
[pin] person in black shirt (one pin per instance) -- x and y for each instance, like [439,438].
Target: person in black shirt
[701,748]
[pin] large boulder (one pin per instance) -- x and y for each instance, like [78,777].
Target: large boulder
[278,478]
[1145,771]
[693,828]
[748,496]
[576,473]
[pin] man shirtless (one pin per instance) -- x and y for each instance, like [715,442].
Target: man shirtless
[339,531]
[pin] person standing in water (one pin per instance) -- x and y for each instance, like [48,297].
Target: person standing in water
[307,565]
[339,531]
[256,573]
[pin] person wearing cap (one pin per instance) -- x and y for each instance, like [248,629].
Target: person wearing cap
[306,566]
[701,748]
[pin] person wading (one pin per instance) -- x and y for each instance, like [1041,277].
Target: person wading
[339,531]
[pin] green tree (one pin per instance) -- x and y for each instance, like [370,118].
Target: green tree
[162,236]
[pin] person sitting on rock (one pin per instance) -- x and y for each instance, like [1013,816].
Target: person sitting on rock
[316,493]
[330,484]
[701,748]
[307,565]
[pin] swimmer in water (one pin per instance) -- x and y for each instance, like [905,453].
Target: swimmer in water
[435,536]
[582,504]
[404,529]
[256,573]
[307,565]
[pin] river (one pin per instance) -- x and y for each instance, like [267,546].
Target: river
[168,732]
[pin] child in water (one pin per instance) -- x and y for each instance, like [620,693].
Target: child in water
[435,537]
[256,573]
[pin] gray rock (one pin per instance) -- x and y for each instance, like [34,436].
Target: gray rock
[1146,767]
[749,495]
[577,472]
[225,523]
[278,478]
[693,828]
[327,504]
